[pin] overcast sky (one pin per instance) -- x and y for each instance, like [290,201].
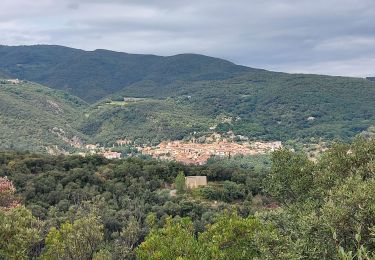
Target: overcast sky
[334,37]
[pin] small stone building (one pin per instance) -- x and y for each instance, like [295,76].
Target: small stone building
[193,182]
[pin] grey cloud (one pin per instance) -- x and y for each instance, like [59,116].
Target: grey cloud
[329,37]
[73,6]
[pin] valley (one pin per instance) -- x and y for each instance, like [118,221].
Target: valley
[140,152]
[187,130]
[175,99]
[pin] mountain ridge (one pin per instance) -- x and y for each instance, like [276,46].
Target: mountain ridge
[105,72]
[188,96]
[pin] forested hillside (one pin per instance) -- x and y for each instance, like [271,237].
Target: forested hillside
[185,96]
[92,75]
[32,116]
[93,208]
[260,105]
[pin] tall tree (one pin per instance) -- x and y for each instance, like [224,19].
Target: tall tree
[291,176]
[78,240]
[19,231]
[180,182]
[175,241]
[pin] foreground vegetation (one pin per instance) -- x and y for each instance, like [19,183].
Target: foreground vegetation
[92,208]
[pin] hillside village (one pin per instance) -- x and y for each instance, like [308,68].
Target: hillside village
[187,152]
[198,153]
[195,151]
[190,152]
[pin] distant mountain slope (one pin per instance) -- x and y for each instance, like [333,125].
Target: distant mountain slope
[193,95]
[259,105]
[33,116]
[144,121]
[92,75]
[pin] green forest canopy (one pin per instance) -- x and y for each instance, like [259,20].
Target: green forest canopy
[122,209]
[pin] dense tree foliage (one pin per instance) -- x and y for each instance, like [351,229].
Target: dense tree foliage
[33,116]
[78,240]
[336,203]
[19,232]
[327,211]
[230,237]
[126,197]
[93,208]
[180,182]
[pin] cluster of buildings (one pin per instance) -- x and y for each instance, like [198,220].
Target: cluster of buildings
[111,155]
[10,81]
[13,81]
[265,147]
[196,151]
[122,142]
[199,153]
[97,149]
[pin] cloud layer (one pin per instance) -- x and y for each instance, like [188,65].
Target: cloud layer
[334,37]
